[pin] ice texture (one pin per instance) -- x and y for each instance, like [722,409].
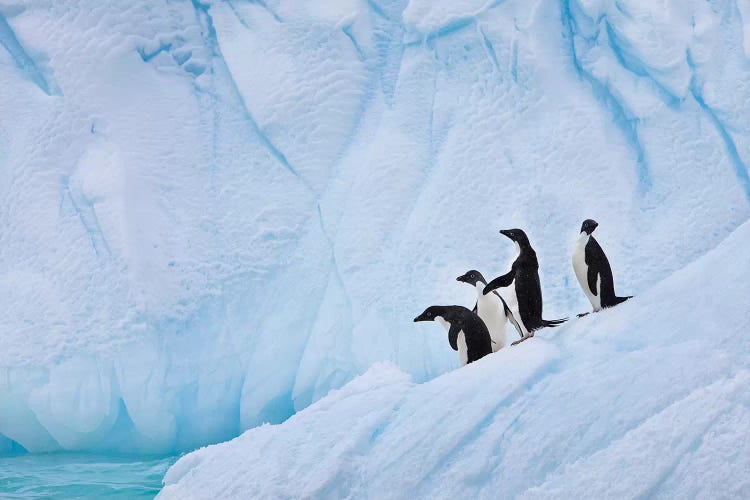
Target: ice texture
[646,400]
[213,213]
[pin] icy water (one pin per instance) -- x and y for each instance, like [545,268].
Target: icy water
[73,476]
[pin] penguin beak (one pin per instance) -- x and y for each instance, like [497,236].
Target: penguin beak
[421,317]
[506,233]
[461,278]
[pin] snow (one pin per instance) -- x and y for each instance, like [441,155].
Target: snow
[214,213]
[645,400]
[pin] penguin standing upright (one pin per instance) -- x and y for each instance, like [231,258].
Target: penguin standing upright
[467,334]
[525,273]
[593,271]
[492,309]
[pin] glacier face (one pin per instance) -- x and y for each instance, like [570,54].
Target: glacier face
[212,213]
[646,400]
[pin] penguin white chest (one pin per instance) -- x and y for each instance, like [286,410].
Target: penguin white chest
[463,350]
[582,269]
[445,324]
[491,311]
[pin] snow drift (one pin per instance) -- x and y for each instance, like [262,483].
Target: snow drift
[213,213]
[647,400]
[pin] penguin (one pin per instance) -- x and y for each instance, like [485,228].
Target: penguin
[528,290]
[467,333]
[492,309]
[592,269]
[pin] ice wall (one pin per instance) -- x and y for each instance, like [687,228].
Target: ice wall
[213,213]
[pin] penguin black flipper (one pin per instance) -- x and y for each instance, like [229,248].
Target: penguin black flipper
[505,304]
[510,316]
[453,336]
[599,266]
[500,281]
[467,333]
[592,276]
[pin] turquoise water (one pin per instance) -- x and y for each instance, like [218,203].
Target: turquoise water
[72,476]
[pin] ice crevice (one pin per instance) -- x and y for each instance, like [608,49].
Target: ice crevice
[347,29]
[201,11]
[236,13]
[462,18]
[637,66]
[86,212]
[334,263]
[264,4]
[377,9]
[148,56]
[740,168]
[490,49]
[24,62]
[625,120]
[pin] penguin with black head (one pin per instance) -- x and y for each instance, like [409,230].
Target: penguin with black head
[593,271]
[524,272]
[492,309]
[467,333]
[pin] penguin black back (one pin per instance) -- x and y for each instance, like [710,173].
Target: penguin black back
[465,324]
[525,273]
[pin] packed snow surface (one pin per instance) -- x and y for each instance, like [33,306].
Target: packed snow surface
[647,400]
[213,213]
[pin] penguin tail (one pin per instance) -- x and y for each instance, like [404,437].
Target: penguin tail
[620,300]
[551,323]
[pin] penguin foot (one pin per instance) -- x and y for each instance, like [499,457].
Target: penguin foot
[582,315]
[522,339]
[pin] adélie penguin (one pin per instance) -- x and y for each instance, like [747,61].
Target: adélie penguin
[492,309]
[467,333]
[593,271]
[525,274]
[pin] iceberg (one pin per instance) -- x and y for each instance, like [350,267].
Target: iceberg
[213,213]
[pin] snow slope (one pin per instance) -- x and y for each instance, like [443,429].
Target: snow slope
[214,212]
[647,400]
